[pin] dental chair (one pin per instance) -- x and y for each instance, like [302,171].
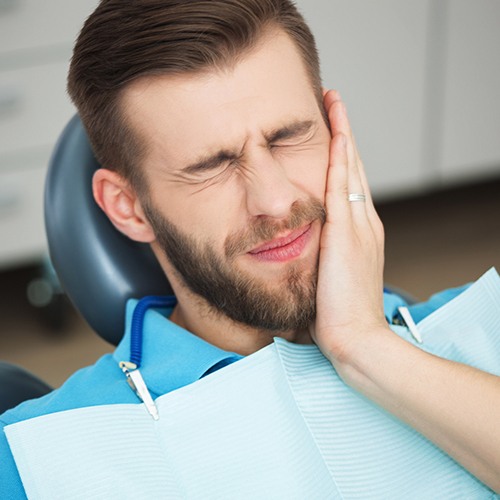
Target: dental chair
[98,267]
[18,385]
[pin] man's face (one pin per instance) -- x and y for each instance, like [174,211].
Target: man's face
[235,167]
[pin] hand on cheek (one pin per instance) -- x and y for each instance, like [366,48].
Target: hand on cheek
[350,282]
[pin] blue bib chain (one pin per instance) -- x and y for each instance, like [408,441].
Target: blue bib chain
[131,368]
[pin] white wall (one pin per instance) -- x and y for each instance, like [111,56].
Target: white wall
[36,38]
[421,81]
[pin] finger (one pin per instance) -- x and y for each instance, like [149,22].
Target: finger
[357,182]
[366,187]
[340,125]
[337,206]
[373,217]
[338,119]
[364,214]
[370,206]
[331,97]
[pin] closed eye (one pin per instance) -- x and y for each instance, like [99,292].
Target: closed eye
[289,135]
[210,163]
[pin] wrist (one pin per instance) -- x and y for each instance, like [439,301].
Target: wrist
[370,361]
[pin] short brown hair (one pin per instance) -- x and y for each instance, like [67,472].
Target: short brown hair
[124,40]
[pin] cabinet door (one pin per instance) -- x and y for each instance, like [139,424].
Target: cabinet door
[374,53]
[471,112]
[34,107]
[22,234]
[34,25]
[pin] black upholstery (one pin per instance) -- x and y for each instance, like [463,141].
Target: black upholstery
[99,268]
[18,385]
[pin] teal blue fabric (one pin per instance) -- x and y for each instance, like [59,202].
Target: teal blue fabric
[423,309]
[419,310]
[172,358]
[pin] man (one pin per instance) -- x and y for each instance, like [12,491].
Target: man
[221,150]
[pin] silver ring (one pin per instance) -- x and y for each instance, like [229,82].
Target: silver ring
[356,197]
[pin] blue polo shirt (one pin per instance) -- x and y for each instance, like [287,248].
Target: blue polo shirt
[172,357]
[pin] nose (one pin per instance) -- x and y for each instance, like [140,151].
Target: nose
[269,190]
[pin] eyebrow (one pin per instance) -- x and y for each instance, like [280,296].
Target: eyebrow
[294,129]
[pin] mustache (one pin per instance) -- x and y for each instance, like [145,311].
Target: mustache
[265,229]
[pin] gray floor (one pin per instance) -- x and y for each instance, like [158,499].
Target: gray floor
[432,243]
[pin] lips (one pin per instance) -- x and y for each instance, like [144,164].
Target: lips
[283,248]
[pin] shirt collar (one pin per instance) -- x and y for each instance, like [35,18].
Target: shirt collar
[172,357]
[391,303]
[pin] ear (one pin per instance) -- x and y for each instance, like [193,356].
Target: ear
[120,203]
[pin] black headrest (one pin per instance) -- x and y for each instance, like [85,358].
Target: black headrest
[99,268]
[18,385]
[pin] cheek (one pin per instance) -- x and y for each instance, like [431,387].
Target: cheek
[210,216]
[308,171]
[321,174]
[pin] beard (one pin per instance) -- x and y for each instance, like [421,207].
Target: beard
[288,304]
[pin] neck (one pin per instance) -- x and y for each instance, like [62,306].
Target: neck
[195,315]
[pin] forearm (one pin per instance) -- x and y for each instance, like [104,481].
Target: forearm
[455,406]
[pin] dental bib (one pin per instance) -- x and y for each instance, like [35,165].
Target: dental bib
[277,424]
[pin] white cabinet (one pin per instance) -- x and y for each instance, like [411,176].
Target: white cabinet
[36,106]
[21,216]
[421,81]
[471,108]
[36,39]
[422,85]
[374,53]
[28,25]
